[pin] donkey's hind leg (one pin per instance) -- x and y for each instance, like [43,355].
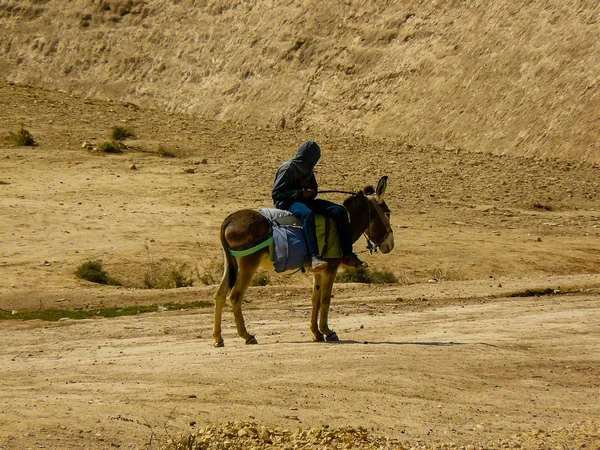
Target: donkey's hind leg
[229,276]
[220,298]
[247,268]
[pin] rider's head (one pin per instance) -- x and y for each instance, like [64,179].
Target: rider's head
[308,155]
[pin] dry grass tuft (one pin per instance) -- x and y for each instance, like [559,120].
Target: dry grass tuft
[110,147]
[165,152]
[368,276]
[94,272]
[22,138]
[120,133]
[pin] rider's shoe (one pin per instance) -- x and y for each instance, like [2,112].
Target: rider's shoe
[352,260]
[317,263]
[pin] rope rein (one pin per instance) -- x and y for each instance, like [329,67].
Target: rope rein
[335,191]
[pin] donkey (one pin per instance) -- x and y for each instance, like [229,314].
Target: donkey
[245,228]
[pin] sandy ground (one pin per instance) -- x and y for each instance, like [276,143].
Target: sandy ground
[445,370]
[444,356]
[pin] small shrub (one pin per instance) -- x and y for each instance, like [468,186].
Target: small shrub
[162,275]
[406,278]
[165,152]
[260,278]
[542,207]
[94,272]
[22,138]
[110,147]
[211,272]
[368,276]
[179,278]
[120,133]
[443,273]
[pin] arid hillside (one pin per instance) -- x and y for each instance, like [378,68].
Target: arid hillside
[507,77]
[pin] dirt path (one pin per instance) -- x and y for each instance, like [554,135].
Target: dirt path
[454,371]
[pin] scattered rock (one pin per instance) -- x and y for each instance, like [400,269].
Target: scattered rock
[248,435]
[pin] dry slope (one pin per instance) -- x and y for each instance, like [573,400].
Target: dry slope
[507,77]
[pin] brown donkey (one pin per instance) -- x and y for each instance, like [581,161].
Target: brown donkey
[246,228]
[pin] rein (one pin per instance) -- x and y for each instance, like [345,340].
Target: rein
[335,191]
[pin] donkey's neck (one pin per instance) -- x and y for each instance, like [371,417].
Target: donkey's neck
[358,208]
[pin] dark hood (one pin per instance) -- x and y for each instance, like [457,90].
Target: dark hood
[307,157]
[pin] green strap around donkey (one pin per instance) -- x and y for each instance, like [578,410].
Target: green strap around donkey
[249,251]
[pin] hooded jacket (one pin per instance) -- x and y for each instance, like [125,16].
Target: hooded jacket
[295,175]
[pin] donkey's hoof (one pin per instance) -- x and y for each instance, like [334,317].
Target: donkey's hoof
[251,341]
[219,344]
[319,338]
[333,337]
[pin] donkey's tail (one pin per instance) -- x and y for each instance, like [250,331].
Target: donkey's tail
[230,268]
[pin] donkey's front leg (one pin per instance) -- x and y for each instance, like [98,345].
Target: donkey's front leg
[326,289]
[316,305]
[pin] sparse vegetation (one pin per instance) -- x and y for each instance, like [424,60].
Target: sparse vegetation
[406,278]
[164,275]
[210,272]
[179,278]
[534,292]
[542,207]
[54,315]
[120,133]
[110,147]
[442,273]
[165,152]
[261,278]
[368,276]
[22,138]
[94,272]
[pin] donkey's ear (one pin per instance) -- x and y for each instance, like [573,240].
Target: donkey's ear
[381,186]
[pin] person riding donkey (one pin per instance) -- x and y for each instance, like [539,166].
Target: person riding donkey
[295,190]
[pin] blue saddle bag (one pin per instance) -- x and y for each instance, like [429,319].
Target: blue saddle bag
[289,250]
